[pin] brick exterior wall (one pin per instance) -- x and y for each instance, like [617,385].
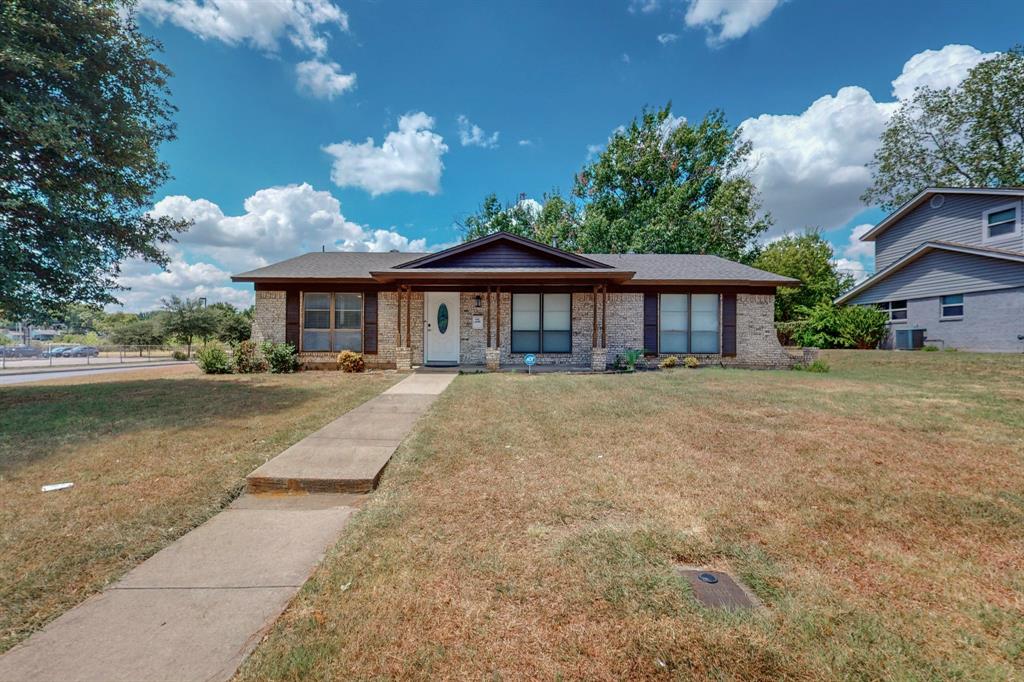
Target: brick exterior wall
[268,317]
[757,345]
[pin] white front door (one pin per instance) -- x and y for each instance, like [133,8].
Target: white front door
[441,330]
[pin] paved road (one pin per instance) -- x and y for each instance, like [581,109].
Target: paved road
[6,379]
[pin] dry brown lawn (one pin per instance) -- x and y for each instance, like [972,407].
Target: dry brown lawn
[152,454]
[530,526]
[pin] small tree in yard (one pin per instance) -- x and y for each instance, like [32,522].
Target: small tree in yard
[188,318]
[808,258]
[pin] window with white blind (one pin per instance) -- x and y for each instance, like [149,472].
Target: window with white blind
[541,323]
[332,322]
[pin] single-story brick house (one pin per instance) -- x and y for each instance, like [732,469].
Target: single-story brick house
[493,300]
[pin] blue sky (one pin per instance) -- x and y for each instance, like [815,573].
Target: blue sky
[278,100]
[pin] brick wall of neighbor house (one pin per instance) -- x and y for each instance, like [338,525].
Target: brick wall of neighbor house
[991,321]
[268,318]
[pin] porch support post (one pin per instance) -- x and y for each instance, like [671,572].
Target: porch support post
[403,353]
[598,354]
[488,316]
[604,316]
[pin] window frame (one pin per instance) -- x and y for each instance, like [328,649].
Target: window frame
[943,305]
[689,323]
[330,321]
[986,238]
[540,325]
[888,308]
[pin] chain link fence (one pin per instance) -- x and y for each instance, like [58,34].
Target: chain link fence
[42,356]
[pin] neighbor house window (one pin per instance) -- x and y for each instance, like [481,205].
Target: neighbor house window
[688,323]
[541,323]
[1003,221]
[952,306]
[332,322]
[896,310]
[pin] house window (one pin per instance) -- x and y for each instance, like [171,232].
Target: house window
[952,306]
[674,323]
[332,322]
[688,323]
[896,310]
[1000,222]
[541,323]
[316,322]
[348,322]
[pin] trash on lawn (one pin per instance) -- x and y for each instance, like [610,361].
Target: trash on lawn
[55,486]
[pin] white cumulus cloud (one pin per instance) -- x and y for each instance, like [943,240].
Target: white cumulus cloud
[726,20]
[408,160]
[323,79]
[851,267]
[855,248]
[277,223]
[666,38]
[811,167]
[472,135]
[261,24]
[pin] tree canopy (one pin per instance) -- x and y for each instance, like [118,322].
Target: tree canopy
[84,110]
[807,257]
[968,136]
[188,318]
[662,185]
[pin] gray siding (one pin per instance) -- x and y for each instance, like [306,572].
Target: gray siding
[991,322]
[957,220]
[944,272]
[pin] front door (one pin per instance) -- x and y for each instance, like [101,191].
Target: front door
[442,328]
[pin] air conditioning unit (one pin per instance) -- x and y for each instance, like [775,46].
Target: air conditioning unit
[910,339]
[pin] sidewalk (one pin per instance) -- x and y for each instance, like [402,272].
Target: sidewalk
[197,608]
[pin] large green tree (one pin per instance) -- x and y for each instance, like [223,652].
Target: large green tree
[83,110]
[807,257]
[968,136]
[662,185]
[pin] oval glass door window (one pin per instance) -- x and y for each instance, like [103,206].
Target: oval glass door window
[442,318]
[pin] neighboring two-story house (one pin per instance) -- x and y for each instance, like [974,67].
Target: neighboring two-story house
[949,270]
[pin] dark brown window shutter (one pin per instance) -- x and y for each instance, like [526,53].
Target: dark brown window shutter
[651,323]
[291,318]
[729,325]
[370,322]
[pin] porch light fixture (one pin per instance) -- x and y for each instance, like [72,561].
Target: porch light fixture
[479,301]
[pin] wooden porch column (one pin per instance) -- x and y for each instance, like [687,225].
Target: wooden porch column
[604,316]
[593,337]
[497,321]
[408,315]
[398,315]
[488,316]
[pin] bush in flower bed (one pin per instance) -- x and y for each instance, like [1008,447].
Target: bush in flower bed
[213,359]
[281,357]
[249,358]
[691,362]
[350,361]
[669,362]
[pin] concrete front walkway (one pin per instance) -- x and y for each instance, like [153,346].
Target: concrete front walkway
[197,608]
[349,454]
